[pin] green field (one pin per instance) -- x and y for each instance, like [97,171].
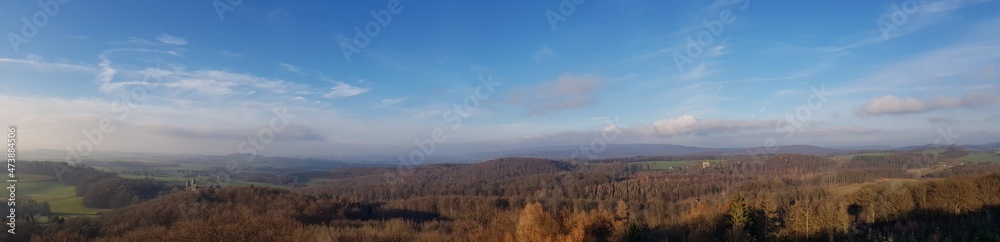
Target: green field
[980,158]
[665,165]
[62,199]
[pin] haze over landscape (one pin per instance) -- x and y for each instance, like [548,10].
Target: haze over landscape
[217,77]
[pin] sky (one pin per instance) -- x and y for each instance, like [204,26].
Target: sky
[448,77]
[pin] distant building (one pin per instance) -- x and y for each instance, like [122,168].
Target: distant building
[705,164]
[192,184]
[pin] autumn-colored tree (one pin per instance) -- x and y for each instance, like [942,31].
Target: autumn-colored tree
[592,226]
[535,224]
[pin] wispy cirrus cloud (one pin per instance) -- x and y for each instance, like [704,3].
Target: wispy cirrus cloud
[342,89]
[393,101]
[171,40]
[290,67]
[543,54]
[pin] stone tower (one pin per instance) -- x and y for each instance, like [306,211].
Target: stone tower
[191,184]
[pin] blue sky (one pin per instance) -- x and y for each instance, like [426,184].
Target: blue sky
[203,77]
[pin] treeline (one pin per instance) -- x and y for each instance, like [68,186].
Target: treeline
[235,214]
[276,179]
[503,177]
[767,198]
[964,169]
[99,189]
[896,160]
[651,158]
[955,209]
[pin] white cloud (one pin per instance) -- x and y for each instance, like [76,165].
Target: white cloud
[290,67]
[230,53]
[107,74]
[688,124]
[673,126]
[698,72]
[543,54]
[40,64]
[34,58]
[391,101]
[890,104]
[947,5]
[345,90]
[205,86]
[171,40]
[140,41]
[204,81]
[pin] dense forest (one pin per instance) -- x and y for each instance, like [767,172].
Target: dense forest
[902,196]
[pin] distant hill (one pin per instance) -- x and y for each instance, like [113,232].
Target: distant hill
[612,150]
[545,152]
[864,147]
[804,150]
[627,150]
[98,158]
[983,147]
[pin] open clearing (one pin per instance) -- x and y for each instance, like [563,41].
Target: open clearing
[852,188]
[980,158]
[62,199]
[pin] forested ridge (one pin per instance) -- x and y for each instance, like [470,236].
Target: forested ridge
[885,197]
